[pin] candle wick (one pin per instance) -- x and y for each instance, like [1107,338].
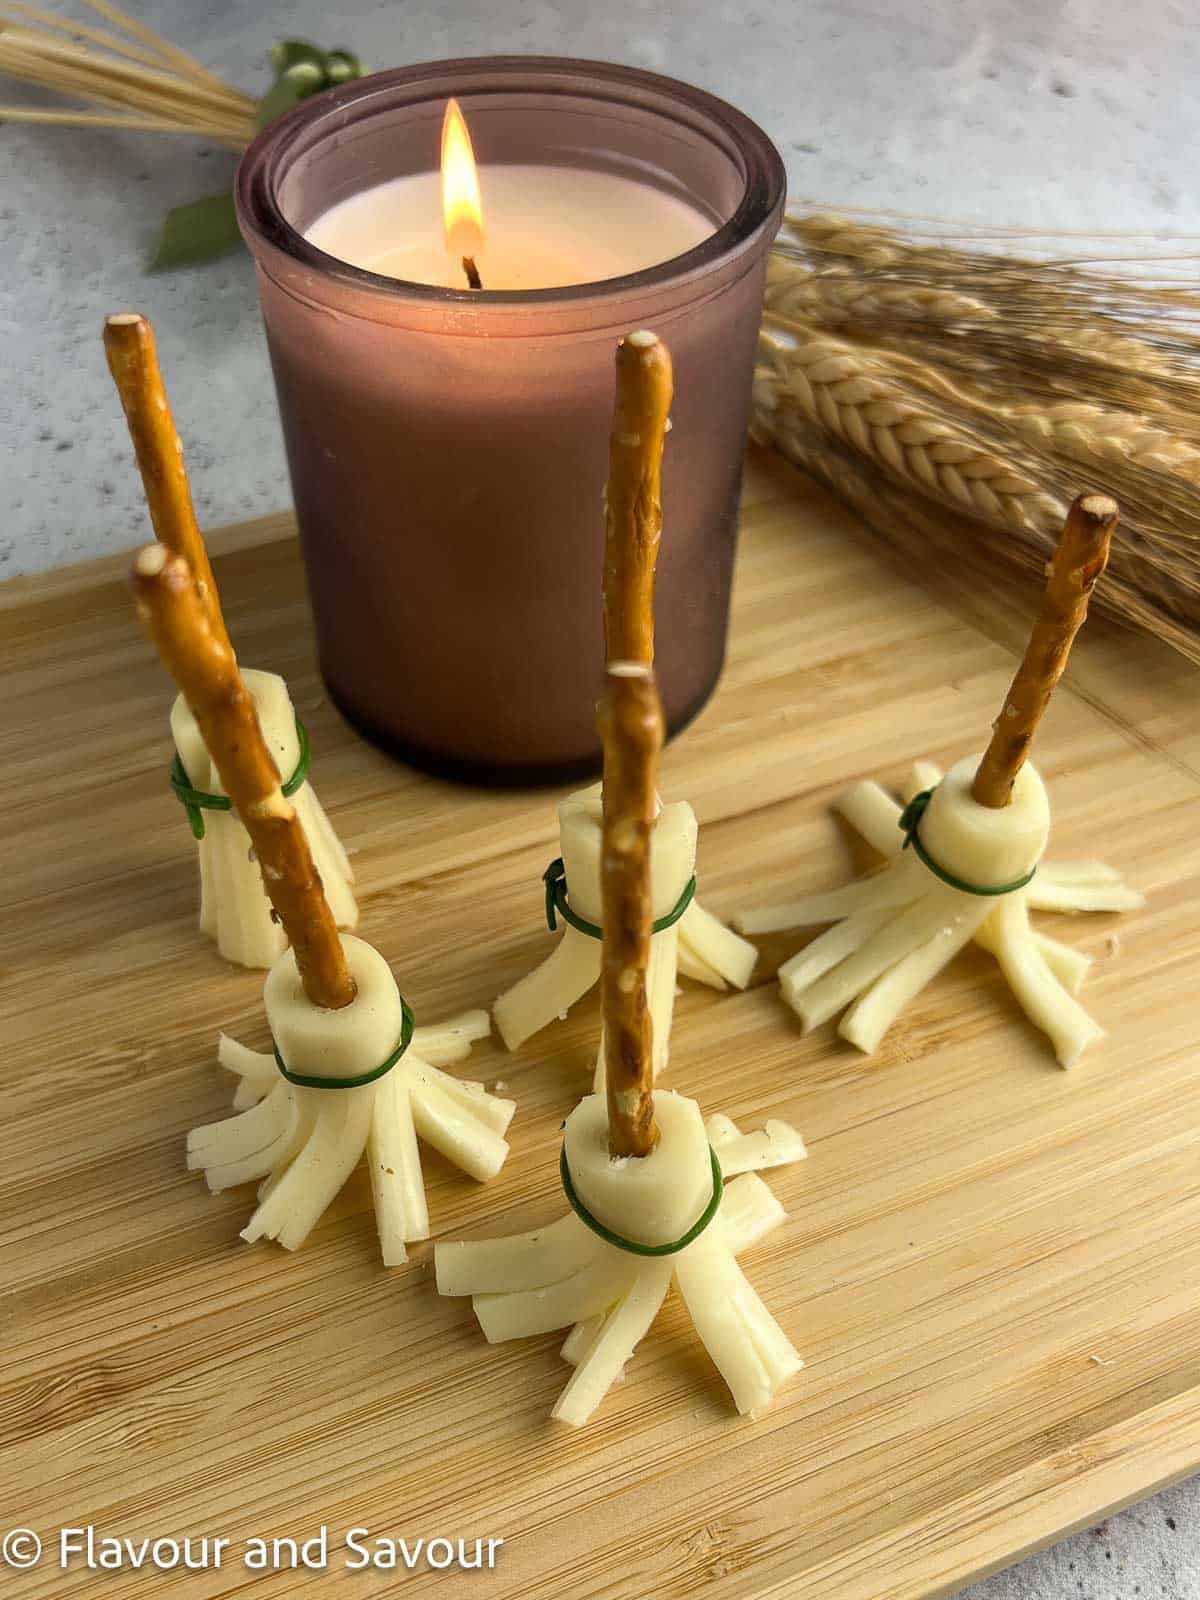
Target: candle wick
[472,271]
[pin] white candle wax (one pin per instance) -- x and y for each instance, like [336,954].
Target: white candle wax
[545,227]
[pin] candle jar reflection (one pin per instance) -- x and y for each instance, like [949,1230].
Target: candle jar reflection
[448,448]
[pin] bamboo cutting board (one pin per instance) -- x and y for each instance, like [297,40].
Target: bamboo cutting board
[991,1266]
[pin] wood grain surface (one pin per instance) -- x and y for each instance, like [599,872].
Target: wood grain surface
[991,1266]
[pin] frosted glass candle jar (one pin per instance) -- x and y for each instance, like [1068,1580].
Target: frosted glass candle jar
[448,447]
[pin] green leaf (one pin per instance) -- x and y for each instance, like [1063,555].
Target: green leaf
[296,84]
[196,232]
[207,228]
[342,65]
[286,53]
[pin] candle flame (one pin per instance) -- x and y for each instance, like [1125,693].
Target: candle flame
[462,208]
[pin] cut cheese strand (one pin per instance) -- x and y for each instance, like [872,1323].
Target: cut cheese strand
[1051,896]
[234,1138]
[691,966]
[550,990]
[446,1042]
[882,891]
[707,1280]
[603,1360]
[877,1008]
[225,1166]
[255,1070]
[1089,873]
[708,942]
[1047,1004]
[775,1350]
[829,948]
[251,1167]
[471,1098]
[314,1179]
[924,775]
[300,1134]
[394,1164]
[580,1337]
[873,813]
[557,1305]
[1069,966]
[776,1145]
[925,920]
[450,1127]
[749,1211]
[522,1261]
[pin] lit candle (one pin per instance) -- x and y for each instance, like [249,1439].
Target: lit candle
[547,227]
[448,447]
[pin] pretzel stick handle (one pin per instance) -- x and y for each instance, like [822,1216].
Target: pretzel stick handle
[1081,557]
[631,724]
[633,514]
[133,361]
[200,660]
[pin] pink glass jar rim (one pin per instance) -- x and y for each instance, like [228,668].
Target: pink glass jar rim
[281,248]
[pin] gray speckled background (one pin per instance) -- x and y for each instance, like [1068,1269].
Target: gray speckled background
[1072,113]
[1079,112]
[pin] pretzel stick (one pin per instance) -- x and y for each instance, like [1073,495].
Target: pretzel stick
[133,362]
[1081,557]
[203,665]
[631,725]
[633,514]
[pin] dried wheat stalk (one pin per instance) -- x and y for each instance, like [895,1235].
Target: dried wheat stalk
[846,391]
[925,536]
[911,377]
[138,78]
[1045,324]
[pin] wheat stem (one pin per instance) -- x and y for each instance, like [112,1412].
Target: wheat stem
[17,9]
[144,80]
[170,53]
[918,379]
[93,119]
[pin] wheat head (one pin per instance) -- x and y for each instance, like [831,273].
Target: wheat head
[836,385]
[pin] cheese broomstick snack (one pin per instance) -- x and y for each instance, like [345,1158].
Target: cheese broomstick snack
[965,857]
[645,1177]
[686,938]
[233,908]
[350,1073]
